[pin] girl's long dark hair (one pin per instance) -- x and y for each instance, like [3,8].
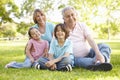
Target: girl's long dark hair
[29,38]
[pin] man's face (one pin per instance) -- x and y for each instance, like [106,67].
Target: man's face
[69,16]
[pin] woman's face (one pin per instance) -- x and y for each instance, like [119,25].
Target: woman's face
[35,34]
[40,17]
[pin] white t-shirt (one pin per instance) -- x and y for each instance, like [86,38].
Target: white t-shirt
[78,38]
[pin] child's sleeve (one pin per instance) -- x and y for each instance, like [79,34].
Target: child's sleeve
[70,48]
[51,50]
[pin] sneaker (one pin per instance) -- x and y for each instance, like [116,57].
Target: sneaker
[37,66]
[100,67]
[66,68]
[9,64]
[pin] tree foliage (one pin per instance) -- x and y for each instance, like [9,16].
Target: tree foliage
[23,27]
[88,11]
[91,9]
[8,30]
[7,7]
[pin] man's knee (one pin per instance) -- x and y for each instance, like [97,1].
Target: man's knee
[104,48]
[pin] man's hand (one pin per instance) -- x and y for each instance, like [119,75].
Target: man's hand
[100,57]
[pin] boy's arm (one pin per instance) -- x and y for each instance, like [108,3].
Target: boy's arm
[60,58]
[53,61]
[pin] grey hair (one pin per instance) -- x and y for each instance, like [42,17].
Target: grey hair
[67,8]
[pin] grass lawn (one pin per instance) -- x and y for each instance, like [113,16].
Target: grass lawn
[14,51]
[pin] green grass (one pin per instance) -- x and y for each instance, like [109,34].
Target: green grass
[14,51]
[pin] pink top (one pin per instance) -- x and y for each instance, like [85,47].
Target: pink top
[37,47]
[78,38]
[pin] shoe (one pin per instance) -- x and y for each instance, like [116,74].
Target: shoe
[66,68]
[37,66]
[9,64]
[100,67]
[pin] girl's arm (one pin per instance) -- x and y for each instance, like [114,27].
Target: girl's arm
[27,50]
[45,53]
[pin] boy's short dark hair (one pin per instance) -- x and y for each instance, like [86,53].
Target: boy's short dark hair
[63,28]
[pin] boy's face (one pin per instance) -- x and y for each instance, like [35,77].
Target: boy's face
[60,34]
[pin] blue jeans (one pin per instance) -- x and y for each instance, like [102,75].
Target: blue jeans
[65,61]
[91,57]
[26,64]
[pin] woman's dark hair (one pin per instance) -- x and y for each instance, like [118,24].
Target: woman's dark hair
[35,13]
[62,26]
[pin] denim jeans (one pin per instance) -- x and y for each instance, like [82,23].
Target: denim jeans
[63,62]
[91,57]
[26,64]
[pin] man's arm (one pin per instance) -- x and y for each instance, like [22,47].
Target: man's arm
[99,56]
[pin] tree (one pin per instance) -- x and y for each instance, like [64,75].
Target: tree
[8,30]
[90,10]
[23,27]
[7,8]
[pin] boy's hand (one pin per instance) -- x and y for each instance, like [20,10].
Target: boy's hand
[53,67]
[49,63]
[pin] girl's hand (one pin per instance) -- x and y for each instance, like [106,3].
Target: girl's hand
[46,55]
[32,60]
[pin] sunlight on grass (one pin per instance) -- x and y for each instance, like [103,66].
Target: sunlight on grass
[107,78]
[116,51]
[14,51]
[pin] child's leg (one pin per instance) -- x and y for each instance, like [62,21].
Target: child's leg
[40,64]
[65,64]
[26,64]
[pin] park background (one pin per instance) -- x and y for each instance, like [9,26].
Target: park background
[101,16]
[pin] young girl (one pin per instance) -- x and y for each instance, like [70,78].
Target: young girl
[35,49]
[60,53]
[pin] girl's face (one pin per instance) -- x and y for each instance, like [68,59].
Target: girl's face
[35,34]
[60,34]
[40,17]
